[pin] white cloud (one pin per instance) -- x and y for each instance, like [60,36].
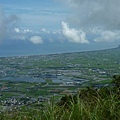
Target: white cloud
[104,13]
[17,30]
[27,31]
[108,36]
[44,30]
[57,32]
[36,40]
[73,35]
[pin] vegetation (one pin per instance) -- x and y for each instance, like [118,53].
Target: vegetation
[88,104]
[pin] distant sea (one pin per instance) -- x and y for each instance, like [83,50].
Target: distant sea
[21,49]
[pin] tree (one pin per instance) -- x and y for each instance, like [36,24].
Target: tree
[116,80]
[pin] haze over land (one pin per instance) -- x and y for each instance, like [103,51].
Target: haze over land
[58,26]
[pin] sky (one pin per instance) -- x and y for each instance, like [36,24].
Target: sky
[55,26]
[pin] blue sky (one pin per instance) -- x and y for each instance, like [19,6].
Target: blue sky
[64,23]
[37,13]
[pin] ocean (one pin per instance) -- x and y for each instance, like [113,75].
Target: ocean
[22,49]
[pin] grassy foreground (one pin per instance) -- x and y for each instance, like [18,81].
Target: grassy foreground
[88,104]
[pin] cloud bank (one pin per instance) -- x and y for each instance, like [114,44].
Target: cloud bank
[6,23]
[103,13]
[101,18]
[108,36]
